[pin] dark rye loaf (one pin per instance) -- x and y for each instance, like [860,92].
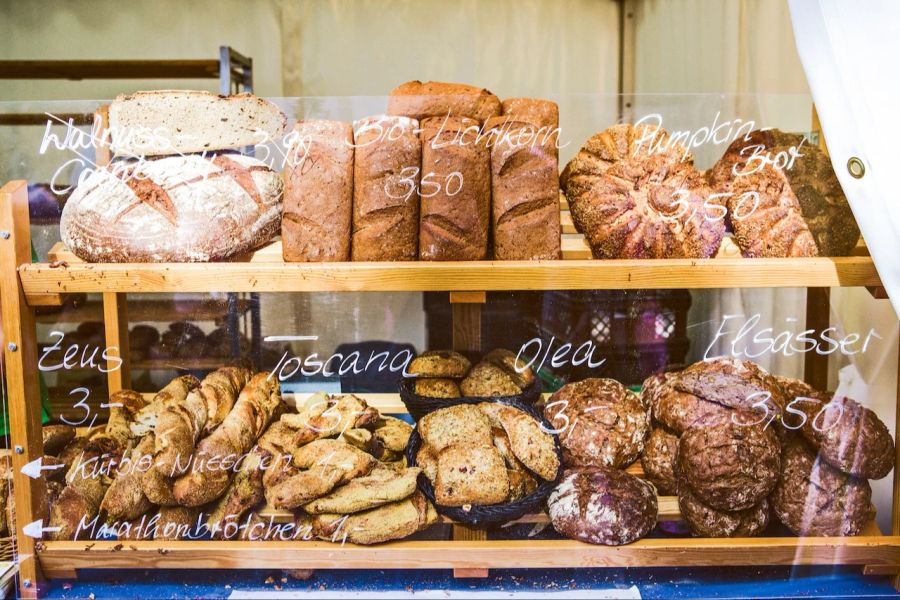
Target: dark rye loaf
[419,100]
[318,193]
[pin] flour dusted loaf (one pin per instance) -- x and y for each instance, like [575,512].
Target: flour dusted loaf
[166,122]
[801,208]
[386,163]
[602,506]
[318,193]
[175,209]
[814,498]
[600,422]
[525,191]
[658,460]
[455,189]
[706,521]
[631,201]
[439,99]
[729,466]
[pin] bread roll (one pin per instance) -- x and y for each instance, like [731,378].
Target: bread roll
[524,190]
[388,156]
[318,193]
[175,209]
[456,190]
[438,99]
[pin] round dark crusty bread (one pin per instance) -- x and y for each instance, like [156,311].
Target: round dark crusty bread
[849,436]
[802,210]
[602,506]
[814,498]
[729,466]
[602,423]
[734,383]
[174,209]
[658,460]
[706,521]
[676,410]
[624,197]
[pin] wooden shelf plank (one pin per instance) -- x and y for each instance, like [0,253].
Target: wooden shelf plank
[150,311]
[264,271]
[109,69]
[61,557]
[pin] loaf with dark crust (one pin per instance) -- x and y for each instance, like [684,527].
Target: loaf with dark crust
[524,190]
[677,410]
[814,498]
[734,383]
[439,99]
[600,422]
[318,193]
[706,521]
[658,460]
[802,210]
[729,466]
[633,202]
[602,506]
[55,437]
[455,189]
[387,159]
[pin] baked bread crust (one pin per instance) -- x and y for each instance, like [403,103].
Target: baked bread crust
[531,445]
[729,466]
[420,100]
[457,424]
[814,498]
[486,379]
[678,410]
[439,363]
[437,388]
[600,422]
[470,474]
[706,521]
[602,506]
[658,460]
[625,199]
[733,383]
[175,209]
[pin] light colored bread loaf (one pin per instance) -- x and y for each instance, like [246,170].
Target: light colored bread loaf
[318,193]
[176,209]
[388,156]
[438,99]
[456,190]
[165,122]
[525,191]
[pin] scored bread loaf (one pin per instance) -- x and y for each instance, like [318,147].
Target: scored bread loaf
[164,122]
[386,163]
[174,209]
[456,190]
[525,191]
[318,193]
[438,99]
[543,113]
[251,414]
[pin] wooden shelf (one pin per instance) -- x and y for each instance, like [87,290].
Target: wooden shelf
[150,311]
[109,69]
[61,559]
[264,270]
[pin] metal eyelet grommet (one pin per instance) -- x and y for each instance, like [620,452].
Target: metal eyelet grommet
[856,167]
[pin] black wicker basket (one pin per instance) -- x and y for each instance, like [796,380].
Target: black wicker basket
[490,515]
[419,406]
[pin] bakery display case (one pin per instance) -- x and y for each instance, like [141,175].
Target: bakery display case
[320,206]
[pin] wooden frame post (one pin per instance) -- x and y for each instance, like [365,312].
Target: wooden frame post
[115,325]
[22,388]
[465,311]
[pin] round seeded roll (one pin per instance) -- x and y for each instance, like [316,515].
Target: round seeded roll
[706,521]
[658,460]
[728,465]
[814,498]
[439,363]
[601,423]
[603,506]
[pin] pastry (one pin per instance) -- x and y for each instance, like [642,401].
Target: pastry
[318,193]
[600,505]
[387,522]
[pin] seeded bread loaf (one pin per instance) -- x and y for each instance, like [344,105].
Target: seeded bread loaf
[439,363]
[175,209]
[164,122]
[439,99]
[524,190]
[318,193]
[386,163]
[706,521]
[658,460]
[456,190]
[543,113]
[470,474]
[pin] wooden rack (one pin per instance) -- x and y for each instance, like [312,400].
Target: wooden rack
[469,552]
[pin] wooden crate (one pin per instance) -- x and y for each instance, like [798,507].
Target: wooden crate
[468,552]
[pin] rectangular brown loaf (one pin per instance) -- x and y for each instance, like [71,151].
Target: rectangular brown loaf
[456,190]
[542,113]
[525,191]
[419,100]
[318,193]
[388,155]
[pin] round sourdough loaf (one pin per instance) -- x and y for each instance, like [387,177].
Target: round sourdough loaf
[706,521]
[658,460]
[814,498]
[176,209]
[603,506]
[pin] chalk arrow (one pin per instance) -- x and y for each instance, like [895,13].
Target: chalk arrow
[36,529]
[34,468]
